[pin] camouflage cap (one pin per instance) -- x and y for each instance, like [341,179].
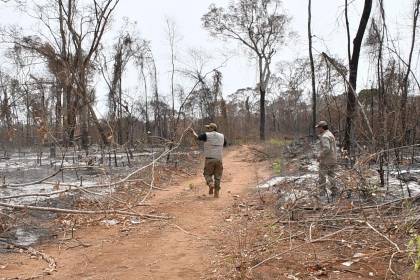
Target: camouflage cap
[212,126]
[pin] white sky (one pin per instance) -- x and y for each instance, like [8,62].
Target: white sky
[327,26]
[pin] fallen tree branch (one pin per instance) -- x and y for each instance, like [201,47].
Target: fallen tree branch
[382,235]
[151,183]
[33,194]
[413,198]
[52,265]
[187,232]
[299,246]
[374,155]
[256,150]
[33,182]
[42,180]
[83,212]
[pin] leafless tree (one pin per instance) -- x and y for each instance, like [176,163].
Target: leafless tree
[311,59]
[172,37]
[129,48]
[403,102]
[353,67]
[258,25]
[70,47]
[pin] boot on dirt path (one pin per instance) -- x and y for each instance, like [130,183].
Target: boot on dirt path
[216,193]
[211,188]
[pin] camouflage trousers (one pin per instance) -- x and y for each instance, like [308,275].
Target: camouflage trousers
[327,171]
[213,168]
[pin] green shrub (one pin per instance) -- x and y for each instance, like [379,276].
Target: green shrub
[414,249]
[279,142]
[277,166]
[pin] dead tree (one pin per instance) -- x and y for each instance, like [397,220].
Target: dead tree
[260,27]
[172,39]
[311,60]
[141,64]
[156,100]
[75,32]
[354,63]
[85,53]
[403,102]
[127,49]
[5,106]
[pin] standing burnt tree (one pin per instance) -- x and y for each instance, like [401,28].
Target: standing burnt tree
[128,49]
[311,61]
[403,102]
[260,26]
[354,63]
[69,44]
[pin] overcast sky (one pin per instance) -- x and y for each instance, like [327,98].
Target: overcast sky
[328,29]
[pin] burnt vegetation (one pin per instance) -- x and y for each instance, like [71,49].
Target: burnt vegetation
[64,153]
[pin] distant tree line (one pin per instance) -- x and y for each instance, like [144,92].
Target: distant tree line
[49,95]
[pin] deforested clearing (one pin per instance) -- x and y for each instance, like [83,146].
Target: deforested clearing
[244,139]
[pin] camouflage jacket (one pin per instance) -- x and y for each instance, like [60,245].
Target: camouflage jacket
[328,153]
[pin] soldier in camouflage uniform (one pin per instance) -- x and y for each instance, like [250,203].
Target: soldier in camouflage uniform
[213,152]
[327,159]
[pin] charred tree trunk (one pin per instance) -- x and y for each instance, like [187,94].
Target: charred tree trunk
[115,95]
[58,112]
[262,113]
[157,116]
[120,112]
[354,62]
[403,106]
[28,118]
[263,66]
[84,132]
[101,130]
[311,60]
[346,14]
[72,102]
[146,105]
[223,109]
[248,115]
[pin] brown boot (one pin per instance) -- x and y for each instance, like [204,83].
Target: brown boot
[210,184]
[216,193]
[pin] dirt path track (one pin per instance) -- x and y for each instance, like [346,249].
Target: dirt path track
[182,248]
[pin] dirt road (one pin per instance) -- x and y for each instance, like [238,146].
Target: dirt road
[182,248]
